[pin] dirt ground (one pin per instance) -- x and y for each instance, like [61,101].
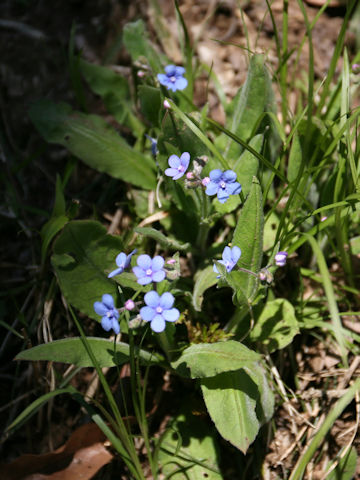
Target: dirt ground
[34,41]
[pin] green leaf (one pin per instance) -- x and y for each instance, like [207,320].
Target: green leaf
[276,326]
[83,256]
[179,135]
[346,468]
[233,400]
[72,350]
[247,166]
[248,235]
[138,45]
[270,229]
[92,140]
[208,359]
[229,206]
[295,159]
[48,232]
[254,99]
[30,410]
[188,449]
[114,90]
[162,239]
[57,220]
[150,103]
[204,279]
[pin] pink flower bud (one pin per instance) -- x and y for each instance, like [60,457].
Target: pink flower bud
[205,181]
[323,219]
[171,261]
[166,104]
[189,175]
[129,304]
[141,73]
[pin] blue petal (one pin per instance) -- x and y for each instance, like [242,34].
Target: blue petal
[163,79]
[211,188]
[108,300]
[229,176]
[179,71]
[139,272]
[222,195]
[226,255]
[171,86]
[233,188]
[158,276]
[180,83]
[152,299]
[170,70]
[158,324]
[121,259]
[166,300]
[185,159]
[171,315]
[178,175]
[171,172]
[174,161]
[144,280]
[115,313]
[115,326]
[100,308]
[157,263]
[215,175]
[235,254]
[144,261]
[106,323]
[117,271]
[147,313]
[215,269]
[128,258]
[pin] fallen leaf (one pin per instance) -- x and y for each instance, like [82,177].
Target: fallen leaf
[81,457]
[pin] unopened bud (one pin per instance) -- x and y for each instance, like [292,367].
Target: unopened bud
[129,304]
[205,181]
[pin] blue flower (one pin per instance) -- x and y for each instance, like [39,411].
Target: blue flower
[122,261]
[173,78]
[158,310]
[149,270]
[223,184]
[109,314]
[230,257]
[178,166]
[280,259]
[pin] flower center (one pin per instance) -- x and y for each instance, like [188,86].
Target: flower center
[173,79]
[109,313]
[148,271]
[223,185]
[159,310]
[181,168]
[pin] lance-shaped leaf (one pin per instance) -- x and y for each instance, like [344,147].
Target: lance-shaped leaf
[92,140]
[247,166]
[248,235]
[138,45]
[255,98]
[83,256]
[204,279]
[114,89]
[72,350]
